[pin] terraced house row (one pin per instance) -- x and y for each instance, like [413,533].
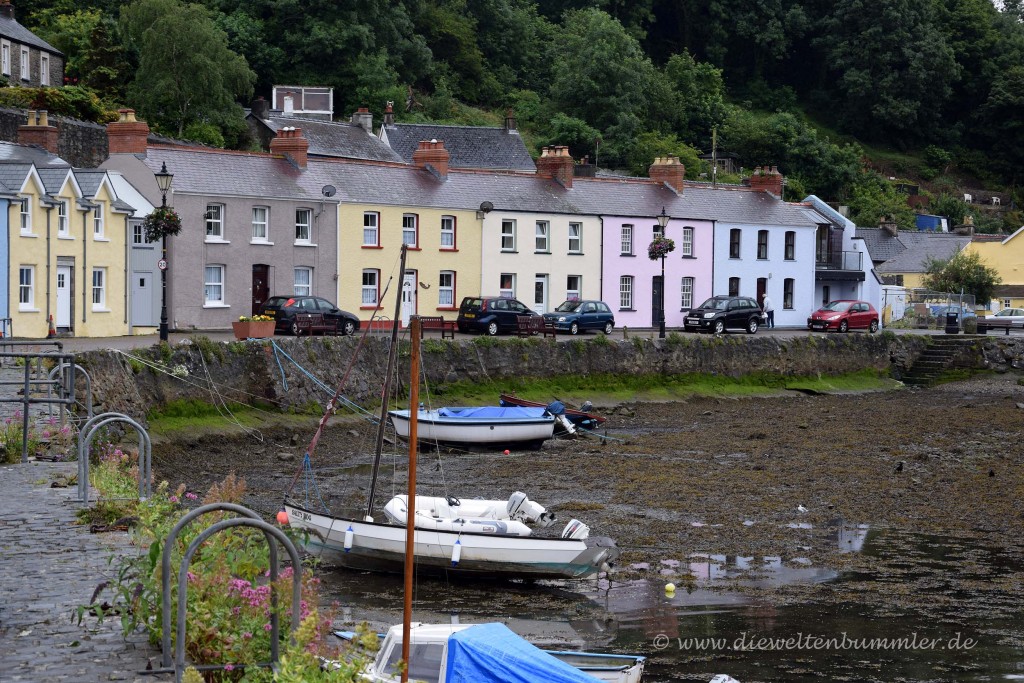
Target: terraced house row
[327,215]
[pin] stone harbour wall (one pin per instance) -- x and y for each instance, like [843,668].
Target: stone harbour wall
[296,374]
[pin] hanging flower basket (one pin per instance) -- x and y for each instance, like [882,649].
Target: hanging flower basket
[162,222]
[660,247]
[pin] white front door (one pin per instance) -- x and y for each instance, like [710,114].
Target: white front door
[142,298]
[408,297]
[540,295]
[63,318]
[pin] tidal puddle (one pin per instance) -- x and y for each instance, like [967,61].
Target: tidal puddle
[912,608]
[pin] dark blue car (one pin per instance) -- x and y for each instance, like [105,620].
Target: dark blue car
[578,315]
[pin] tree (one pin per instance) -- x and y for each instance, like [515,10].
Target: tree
[186,71]
[964,270]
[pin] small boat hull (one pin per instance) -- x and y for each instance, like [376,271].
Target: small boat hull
[577,417]
[376,546]
[484,426]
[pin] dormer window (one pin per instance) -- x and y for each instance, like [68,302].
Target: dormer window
[62,218]
[97,221]
[26,216]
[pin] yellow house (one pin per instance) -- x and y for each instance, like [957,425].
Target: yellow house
[1006,256]
[67,237]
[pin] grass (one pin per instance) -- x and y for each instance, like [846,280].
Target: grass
[199,416]
[606,389]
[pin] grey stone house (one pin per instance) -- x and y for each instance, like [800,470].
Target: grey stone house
[25,58]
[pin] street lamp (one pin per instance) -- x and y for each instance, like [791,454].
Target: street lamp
[662,222]
[163,181]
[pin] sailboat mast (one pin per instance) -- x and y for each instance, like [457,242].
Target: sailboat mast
[392,355]
[410,522]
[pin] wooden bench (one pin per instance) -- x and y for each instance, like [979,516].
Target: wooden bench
[436,322]
[529,325]
[311,323]
[986,324]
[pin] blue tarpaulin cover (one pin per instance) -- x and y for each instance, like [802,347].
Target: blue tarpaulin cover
[492,653]
[492,412]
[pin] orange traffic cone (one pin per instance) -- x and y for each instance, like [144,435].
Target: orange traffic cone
[52,332]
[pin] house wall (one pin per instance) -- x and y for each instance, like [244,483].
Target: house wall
[557,263]
[748,268]
[1006,257]
[642,269]
[428,258]
[29,74]
[108,252]
[28,249]
[5,260]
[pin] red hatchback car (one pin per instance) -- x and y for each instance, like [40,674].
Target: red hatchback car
[844,315]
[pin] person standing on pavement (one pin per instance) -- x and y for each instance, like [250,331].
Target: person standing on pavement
[769,311]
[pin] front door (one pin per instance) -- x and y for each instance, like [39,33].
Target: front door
[540,294]
[408,297]
[260,286]
[142,298]
[656,299]
[762,287]
[63,319]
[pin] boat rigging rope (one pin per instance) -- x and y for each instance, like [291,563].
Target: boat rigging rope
[354,407]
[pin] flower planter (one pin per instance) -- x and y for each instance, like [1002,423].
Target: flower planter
[253,330]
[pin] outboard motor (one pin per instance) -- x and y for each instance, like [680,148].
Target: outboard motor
[557,408]
[522,508]
[576,530]
[587,406]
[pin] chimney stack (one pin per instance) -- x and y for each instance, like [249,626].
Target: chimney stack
[768,179]
[510,120]
[126,135]
[364,119]
[261,108]
[389,114]
[7,9]
[888,224]
[434,155]
[668,170]
[39,132]
[557,164]
[290,143]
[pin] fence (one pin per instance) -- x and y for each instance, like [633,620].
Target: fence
[924,308]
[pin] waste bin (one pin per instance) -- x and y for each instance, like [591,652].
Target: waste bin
[952,322]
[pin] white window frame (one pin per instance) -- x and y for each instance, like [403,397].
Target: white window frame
[575,238]
[508,234]
[626,239]
[98,221]
[573,287]
[371,287]
[5,59]
[448,232]
[300,288]
[214,282]
[411,230]
[26,216]
[686,293]
[27,289]
[542,237]
[788,293]
[1006,303]
[99,289]
[215,223]
[303,226]
[260,224]
[507,285]
[687,245]
[26,67]
[138,234]
[763,242]
[371,229]
[446,289]
[44,69]
[626,292]
[63,218]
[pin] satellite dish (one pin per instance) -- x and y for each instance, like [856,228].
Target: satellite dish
[486,207]
[329,190]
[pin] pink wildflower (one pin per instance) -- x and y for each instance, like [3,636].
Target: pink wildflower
[173,499]
[229,667]
[191,496]
[267,627]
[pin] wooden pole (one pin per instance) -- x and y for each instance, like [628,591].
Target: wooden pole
[410,514]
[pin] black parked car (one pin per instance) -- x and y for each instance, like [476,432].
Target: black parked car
[490,314]
[720,313]
[284,308]
[575,315]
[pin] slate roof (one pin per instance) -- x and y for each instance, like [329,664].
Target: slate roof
[484,147]
[265,175]
[13,175]
[921,247]
[335,139]
[881,245]
[1009,291]
[89,181]
[53,178]
[10,28]
[12,151]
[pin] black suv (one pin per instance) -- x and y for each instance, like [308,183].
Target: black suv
[490,314]
[284,308]
[720,313]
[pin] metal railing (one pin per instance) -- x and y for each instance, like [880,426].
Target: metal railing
[844,260]
[34,367]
